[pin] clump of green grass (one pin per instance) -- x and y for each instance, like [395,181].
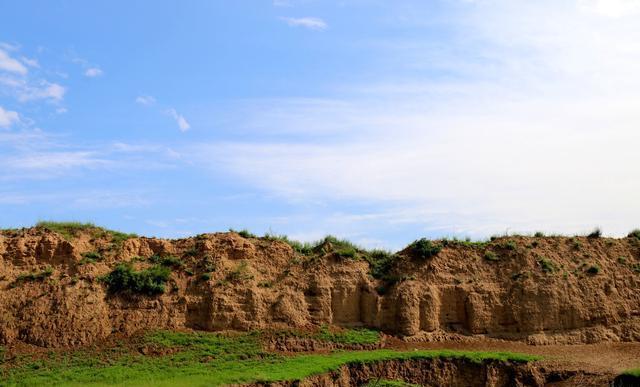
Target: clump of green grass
[510,245]
[240,273]
[491,256]
[547,265]
[205,277]
[244,233]
[167,261]
[33,277]
[575,243]
[622,260]
[424,248]
[125,279]
[90,257]
[67,230]
[211,359]
[303,248]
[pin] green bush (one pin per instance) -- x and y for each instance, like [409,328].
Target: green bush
[168,261]
[547,265]
[90,257]
[205,277]
[539,234]
[33,277]
[593,270]
[634,234]
[125,279]
[423,248]
[510,245]
[596,233]
[491,256]
[380,263]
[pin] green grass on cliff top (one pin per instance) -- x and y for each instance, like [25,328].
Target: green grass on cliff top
[199,359]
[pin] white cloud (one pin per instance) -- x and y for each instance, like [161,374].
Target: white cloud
[312,23]
[42,90]
[7,63]
[611,8]
[30,62]
[183,125]
[533,126]
[8,118]
[93,72]
[146,100]
[61,110]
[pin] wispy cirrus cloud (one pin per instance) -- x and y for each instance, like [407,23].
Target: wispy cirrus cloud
[10,64]
[93,72]
[182,123]
[8,118]
[146,100]
[312,23]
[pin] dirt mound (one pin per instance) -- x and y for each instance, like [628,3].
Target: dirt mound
[539,290]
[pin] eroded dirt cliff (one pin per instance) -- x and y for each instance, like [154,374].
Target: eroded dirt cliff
[540,290]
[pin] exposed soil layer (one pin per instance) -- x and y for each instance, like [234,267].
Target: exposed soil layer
[548,290]
[453,373]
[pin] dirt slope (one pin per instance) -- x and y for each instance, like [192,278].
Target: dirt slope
[538,290]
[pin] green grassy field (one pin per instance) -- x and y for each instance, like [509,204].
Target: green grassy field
[199,359]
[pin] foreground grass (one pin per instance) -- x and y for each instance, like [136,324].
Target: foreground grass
[632,372]
[198,359]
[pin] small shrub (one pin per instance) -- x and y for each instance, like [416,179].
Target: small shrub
[636,267]
[125,279]
[593,270]
[424,248]
[622,260]
[90,257]
[205,277]
[535,244]
[192,252]
[596,233]
[539,234]
[575,243]
[491,256]
[240,273]
[634,234]
[510,245]
[547,265]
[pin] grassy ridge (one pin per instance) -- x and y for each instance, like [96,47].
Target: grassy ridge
[196,359]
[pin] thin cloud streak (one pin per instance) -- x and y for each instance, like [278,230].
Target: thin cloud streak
[312,23]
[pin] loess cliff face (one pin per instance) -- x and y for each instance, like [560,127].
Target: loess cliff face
[541,290]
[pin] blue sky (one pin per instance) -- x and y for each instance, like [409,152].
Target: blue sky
[376,121]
